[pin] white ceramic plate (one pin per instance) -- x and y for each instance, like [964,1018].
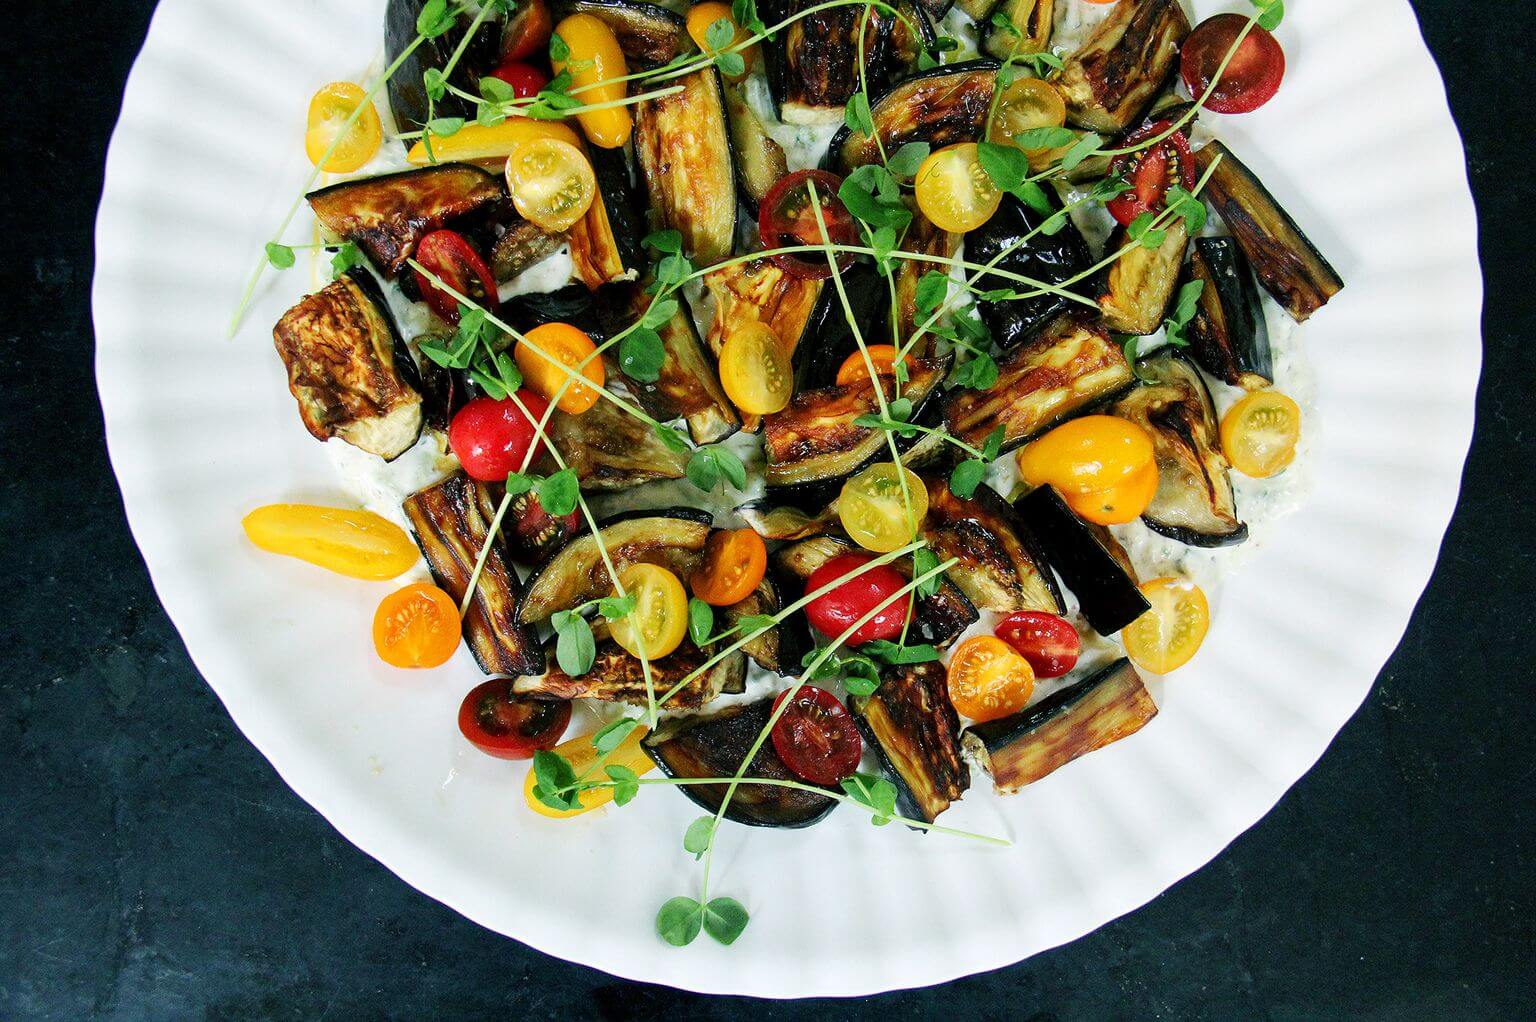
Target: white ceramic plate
[1358,145]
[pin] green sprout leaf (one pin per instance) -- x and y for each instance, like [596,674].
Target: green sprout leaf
[552,774]
[617,608]
[701,621]
[642,354]
[558,494]
[875,793]
[697,837]
[280,256]
[346,257]
[611,735]
[925,560]
[724,919]
[575,648]
[626,783]
[679,921]
[966,477]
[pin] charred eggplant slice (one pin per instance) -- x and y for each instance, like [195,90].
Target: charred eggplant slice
[606,243]
[828,337]
[1001,567]
[1124,65]
[617,676]
[923,236]
[451,521]
[1035,20]
[1087,558]
[785,523]
[1137,287]
[914,728]
[407,91]
[940,106]
[1105,707]
[716,746]
[813,65]
[772,650]
[1194,503]
[1051,259]
[684,153]
[647,33]
[387,216]
[760,161]
[1286,263]
[522,245]
[348,370]
[1228,335]
[609,449]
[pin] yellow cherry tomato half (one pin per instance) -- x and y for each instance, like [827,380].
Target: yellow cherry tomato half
[597,68]
[417,626]
[755,370]
[545,349]
[874,510]
[954,191]
[699,19]
[1094,452]
[1259,433]
[735,562]
[359,544]
[551,182]
[1165,637]
[490,145]
[660,617]
[328,131]
[988,679]
[1025,105]
[580,754]
[1117,504]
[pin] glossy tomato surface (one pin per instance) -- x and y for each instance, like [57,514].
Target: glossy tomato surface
[1049,643]
[816,737]
[1151,172]
[508,726]
[447,255]
[839,608]
[787,218]
[527,32]
[492,438]
[1253,75]
[525,79]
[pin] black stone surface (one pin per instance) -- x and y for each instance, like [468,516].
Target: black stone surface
[152,865]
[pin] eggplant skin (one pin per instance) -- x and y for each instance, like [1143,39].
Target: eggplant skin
[927,238]
[760,161]
[522,245]
[940,106]
[387,216]
[1228,335]
[348,370]
[813,64]
[606,244]
[684,153]
[1091,564]
[1036,19]
[609,449]
[407,93]
[1000,565]
[912,725]
[1123,66]
[1054,259]
[617,676]
[1137,287]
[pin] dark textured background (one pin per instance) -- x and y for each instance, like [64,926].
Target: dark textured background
[152,865]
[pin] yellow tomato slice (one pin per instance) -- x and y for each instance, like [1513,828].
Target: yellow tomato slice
[327,131]
[1165,637]
[1094,452]
[479,143]
[755,370]
[874,510]
[988,679]
[954,191]
[417,626]
[1259,433]
[597,67]
[551,182]
[580,754]
[1025,105]
[356,543]
[660,616]
[567,346]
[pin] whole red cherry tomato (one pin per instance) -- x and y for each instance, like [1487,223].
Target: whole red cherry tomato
[815,737]
[525,79]
[491,438]
[508,726]
[836,610]
[1049,643]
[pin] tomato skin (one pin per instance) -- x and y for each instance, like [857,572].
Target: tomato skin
[1091,452]
[816,737]
[988,680]
[596,57]
[1118,504]
[1250,80]
[452,258]
[329,109]
[1049,643]
[490,145]
[786,219]
[416,627]
[855,368]
[733,567]
[525,79]
[359,544]
[527,31]
[508,726]
[492,438]
[1149,172]
[836,610]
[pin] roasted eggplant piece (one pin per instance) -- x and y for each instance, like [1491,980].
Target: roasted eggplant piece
[813,65]
[684,153]
[760,161]
[1136,288]
[1105,707]
[716,746]
[760,292]
[606,244]
[1286,263]
[1051,259]
[940,106]
[451,521]
[1194,503]
[1071,365]
[387,216]
[914,728]
[1087,558]
[1124,65]
[828,337]
[1035,20]
[772,650]
[1228,335]
[407,92]
[618,676]
[772,521]
[648,34]
[923,236]
[348,369]
[1001,566]
[609,449]
[571,304]
[522,244]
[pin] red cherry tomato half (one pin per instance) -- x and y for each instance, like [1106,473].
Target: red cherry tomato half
[1252,77]
[815,737]
[836,610]
[455,261]
[786,218]
[1049,643]
[491,438]
[525,79]
[527,31]
[1151,172]
[509,726]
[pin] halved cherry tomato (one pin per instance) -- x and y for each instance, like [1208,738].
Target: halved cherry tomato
[856,368]
[531,534]
[580,754]
[755,370]
[492,438]
[1259,433]
[836,610]
[954,191]
[816,737]
[1049,643]
[359,544]
[702,16]
[551,182]
[660,619]
[527,30]
[1151,172]
[1027,104]
[1092,452]
[508,726]
[561,345]
[597,67]
[875,511]
[786,218]
[735,562]
[525,79]
[1118,504]
[988,680]
[449,256]
[490,145]
[1252,77]
[1165,637]
[328,113]
[417,626]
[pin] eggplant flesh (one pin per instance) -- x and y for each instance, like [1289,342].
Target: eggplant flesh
[1124,65]
[914,728]
[609,449]
[941,106]
[1286,263]
[1194,503]
[647,33]
[1137,287]
[1000,564]
[1228,336]
[716,746]
[760,161]
[1088,560]
[348,370]
[451,521]
[407,93]
[618,676]
[522,244]
[684,152]
[1035,20]
[814,63]
[926,237]
[1051,259]
[605,244]
[772,650]
[1105,707]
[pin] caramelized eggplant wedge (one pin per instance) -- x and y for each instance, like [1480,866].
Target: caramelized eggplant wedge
[407,90]
[1071,365]
[1105,707]
[828,337]
[772,650]
[1051,259]
[1124,65]
[1194,503]
[1228,335]
[387,216]
[522,245]
[606,244]
[940,106]
[929,239]
[1001,567]
[648,34]
[813,65]
[348,370]
[772,521]
[913,727]
[1137,287]
[609,449]
[760,161]
[684,153]
[618,676]
[1286,263]
[760,292]
[1087,558]
[716,746]
[1035,20]
[451,521]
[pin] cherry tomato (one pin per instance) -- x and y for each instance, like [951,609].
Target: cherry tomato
[875,511]
[447,255]
[329,111]
[531,534]
[1092,452]
[1049,643]
[816,737]
[702,16]
[1252,77]
[836,610]
[1118,504]
[755,370]
[551,182]
[1259,433]
[954,191]
[1151,172]
[490,145]
[525,79]
[988,680]
[856,368]
[734,564]
[417,626]
[660,617]
[786,218]
[1165,637]
[542,352]
[598,70]
[582,757]
[492,438]
[359,544]
[508,726]
[1027,104]
[527,30]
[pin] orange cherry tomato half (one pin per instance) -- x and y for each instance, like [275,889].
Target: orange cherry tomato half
[1260,432]
[349,146]
[702,16]
[1165,637]
[856,368]
[545,349]
[1090,453]
[454,261]
[417,626]
[735,562]
[1117,504]
[503,724]
[988,679]
[359,544]
[954,191]
[755,370]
